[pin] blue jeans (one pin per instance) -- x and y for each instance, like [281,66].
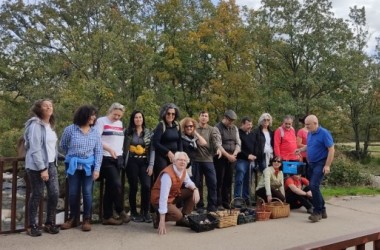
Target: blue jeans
[77,182]
[316,177]
[241,179]
[208,170]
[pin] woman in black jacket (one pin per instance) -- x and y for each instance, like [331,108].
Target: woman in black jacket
[263,141]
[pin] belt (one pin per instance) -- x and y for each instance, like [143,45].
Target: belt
[137,156]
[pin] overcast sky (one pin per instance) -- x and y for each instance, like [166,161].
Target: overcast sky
[341,8]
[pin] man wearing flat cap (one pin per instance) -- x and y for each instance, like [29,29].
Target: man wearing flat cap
[224,165]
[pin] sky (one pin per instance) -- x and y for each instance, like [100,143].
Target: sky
[341,9]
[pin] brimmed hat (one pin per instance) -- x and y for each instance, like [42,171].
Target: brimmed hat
[230,114]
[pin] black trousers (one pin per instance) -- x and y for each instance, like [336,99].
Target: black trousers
[224,173]
[297,201]
[136,171]
[112,195]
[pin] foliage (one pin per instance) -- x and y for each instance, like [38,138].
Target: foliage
[348,191]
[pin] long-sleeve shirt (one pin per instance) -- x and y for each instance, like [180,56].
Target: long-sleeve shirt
[268,177]
[77,144]
[205,153]
[166,183]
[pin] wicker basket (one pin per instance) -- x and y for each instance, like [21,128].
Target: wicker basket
[279,209]
[262,212]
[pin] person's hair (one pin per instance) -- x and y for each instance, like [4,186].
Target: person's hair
[36,110]
[186,120]
[132,125]
[165,108]
[265,116]
[245,119]
[181,153]
[302,119]
[117,106]
[83,113]
[203,112]
[288,117]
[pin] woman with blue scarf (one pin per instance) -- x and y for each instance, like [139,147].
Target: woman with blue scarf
[84,151]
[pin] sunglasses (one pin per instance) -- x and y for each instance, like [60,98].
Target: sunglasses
[189,126]
[277,161]
[172,114]
[266,120]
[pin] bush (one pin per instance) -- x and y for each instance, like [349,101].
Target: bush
[346,173]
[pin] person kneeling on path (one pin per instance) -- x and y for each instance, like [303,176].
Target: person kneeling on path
[173,186]
[298,193]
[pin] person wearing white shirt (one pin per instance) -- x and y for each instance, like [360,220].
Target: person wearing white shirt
[173,186]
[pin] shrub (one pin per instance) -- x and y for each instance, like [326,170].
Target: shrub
[346,173]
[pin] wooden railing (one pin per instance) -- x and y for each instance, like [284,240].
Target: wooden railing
[11,164]
[357,240]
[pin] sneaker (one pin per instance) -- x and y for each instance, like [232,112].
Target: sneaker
[70,223]
[136,217]
[51,228]
[33,231]
[125,217]
[324,214]
[309,211]
[112,221]
[147,218]
[86,225]
[315,217]
[155,219]
[221,208]
[183,222]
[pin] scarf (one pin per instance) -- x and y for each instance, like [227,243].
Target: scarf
[191,141]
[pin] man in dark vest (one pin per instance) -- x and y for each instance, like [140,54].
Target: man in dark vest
[173,186]
[224,165]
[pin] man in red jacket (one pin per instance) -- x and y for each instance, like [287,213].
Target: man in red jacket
[285,140]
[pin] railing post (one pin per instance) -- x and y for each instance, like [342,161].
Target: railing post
[14,196]
[376,244]
[1,193]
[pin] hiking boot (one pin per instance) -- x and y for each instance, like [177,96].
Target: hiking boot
[112,221]
[221,208]
[147,218]
[33,231]
[315,217]
[309,210]
[86,225]
[156,220]
[51,228]
[70,223]
[125,217]
[136,217]
[183,222]
[324,214]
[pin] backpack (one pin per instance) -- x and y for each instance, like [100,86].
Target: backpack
[164,126]
[21,146]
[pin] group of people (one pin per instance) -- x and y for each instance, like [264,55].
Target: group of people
[170,163]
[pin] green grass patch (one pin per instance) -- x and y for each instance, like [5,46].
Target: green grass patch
[329,192]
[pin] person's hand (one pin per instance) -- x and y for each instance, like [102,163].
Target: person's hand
[149,170]
[162,227]
[251,157]
[326,169]
[196,196]
[231,158]
[95,175]
[171,156]
[219,153]
[45,175]
[113,154]
[309,194]
[269,198]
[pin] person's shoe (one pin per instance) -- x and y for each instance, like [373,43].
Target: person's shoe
[221,208]
[324,214]
[309,210]
[86,225]
[125,217]
[183,222]
[147,218]
[112,221]
[70,223]
[137,218]
[33,231]
[51,228]
[155,220]
[315,217]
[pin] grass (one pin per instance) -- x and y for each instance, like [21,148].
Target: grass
[329,192]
